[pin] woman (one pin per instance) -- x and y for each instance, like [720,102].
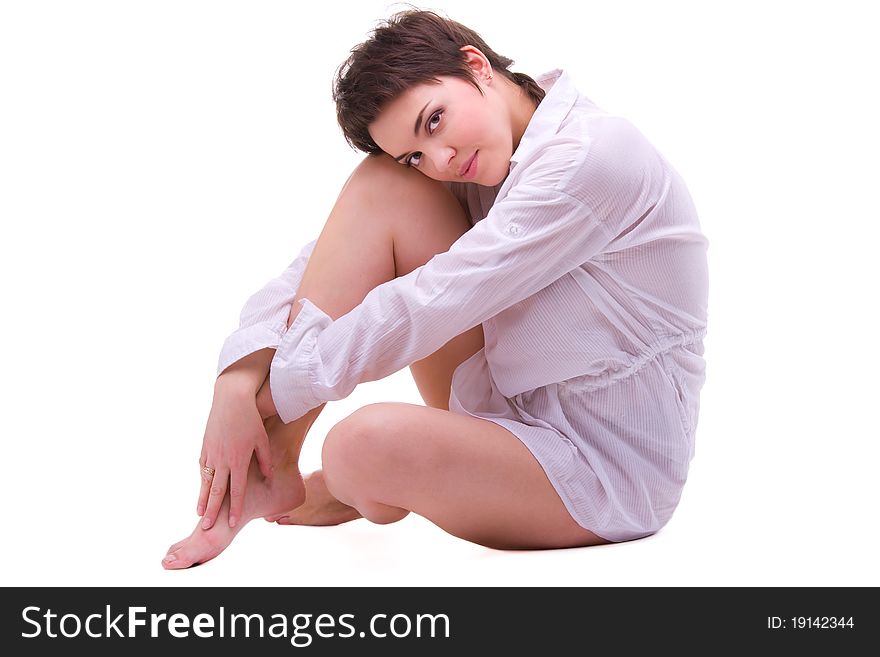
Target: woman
[536,263]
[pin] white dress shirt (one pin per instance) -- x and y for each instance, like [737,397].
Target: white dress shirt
[586,260]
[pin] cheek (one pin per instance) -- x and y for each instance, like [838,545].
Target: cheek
[496,136]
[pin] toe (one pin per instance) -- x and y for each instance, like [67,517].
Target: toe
[181,558]
[170,561]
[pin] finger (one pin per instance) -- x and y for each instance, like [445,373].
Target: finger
[218,492]
[203,455]
[238,479]
[264,457]
[203,486]
[204,490]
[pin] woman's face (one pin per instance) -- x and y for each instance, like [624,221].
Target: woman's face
[449,131]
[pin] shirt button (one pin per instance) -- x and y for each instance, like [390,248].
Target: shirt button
[513,229]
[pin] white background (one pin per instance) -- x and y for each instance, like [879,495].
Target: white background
[160,161]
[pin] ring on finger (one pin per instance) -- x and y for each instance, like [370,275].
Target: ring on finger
[208,471]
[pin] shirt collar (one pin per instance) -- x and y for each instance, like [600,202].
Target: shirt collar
[545,122]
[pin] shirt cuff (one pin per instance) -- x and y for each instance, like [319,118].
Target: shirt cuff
[249,339]
[293,380]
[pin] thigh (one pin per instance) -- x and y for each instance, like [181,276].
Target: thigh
[470,476]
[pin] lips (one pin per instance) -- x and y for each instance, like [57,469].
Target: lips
[467,165]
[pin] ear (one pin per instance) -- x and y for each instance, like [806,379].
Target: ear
[478,63]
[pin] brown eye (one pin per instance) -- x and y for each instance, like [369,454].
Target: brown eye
[435,121]
[430,126]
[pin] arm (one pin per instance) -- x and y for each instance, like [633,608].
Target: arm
[247,373]
[234,429]
[263,318]
[551,221]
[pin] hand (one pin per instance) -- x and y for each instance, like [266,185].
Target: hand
[234,431]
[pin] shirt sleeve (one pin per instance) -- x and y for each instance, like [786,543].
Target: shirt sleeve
[263,320]
[564,208]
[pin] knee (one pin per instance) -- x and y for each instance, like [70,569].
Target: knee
[379,182]
[355,453]
[381,179]
[359,464]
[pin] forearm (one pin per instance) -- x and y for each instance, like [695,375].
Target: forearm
[247,373]
[265,403]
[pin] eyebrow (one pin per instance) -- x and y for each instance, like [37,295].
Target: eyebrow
[415,130]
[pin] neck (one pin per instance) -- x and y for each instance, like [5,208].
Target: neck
[521,106]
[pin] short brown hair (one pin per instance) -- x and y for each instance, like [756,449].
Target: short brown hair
[410,48]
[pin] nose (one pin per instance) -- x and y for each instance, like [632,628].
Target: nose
[442,157]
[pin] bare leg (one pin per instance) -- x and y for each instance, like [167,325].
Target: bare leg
[416,238]
[469,476]
[372,235]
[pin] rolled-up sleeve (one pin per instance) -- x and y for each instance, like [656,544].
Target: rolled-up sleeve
[541,229]
[263,319]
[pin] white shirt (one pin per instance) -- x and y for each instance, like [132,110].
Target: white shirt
[586,260]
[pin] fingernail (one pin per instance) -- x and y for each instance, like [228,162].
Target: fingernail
[169,558]
[232,521]
[206,523]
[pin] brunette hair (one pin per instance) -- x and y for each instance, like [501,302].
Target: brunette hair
[410,48]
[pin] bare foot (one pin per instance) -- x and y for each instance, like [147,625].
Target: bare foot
[319,509]
[284,491]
